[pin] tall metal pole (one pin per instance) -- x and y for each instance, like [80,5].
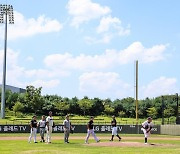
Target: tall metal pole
[6,10]
[163,105]
[4,72]
[177,100]
[137,92]
[177,114]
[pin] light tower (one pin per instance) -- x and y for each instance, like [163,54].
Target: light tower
[6,12]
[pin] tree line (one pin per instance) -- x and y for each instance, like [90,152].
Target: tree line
[32,102]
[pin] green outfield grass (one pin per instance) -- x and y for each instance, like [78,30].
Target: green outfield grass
[80,120]
[76,146]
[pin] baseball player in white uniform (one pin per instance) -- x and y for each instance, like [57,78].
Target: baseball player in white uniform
[42,125]
[114,129]
[49,127]
[146,128]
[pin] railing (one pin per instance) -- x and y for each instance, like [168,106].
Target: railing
[84,122]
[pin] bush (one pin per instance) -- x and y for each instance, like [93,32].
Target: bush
[122,114]
[20,115]
[9,112]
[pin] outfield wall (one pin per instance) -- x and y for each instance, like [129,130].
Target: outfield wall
[124,129]
[170,129]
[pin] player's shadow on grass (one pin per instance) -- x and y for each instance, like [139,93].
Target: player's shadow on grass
[65,143]
[152,144]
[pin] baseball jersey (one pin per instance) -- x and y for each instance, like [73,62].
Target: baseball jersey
[42,123]
[34,123]
[147,125]
[90,124]
[49,120]
[113,123]
[67,124]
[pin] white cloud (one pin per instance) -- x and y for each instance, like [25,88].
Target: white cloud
[45,73]
[154,54]
[29,59]
[136,51]
[13,71]
[114,23]
[15,76]
[109,28]
[82,62]
[20,76]
[105,83]
[106,23]
[46,84]
[28,27]
[100,83]
[12,57]
[85,10]
[160,86]
[106,38]
[108,59]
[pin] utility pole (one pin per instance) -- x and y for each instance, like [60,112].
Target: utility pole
[5,12]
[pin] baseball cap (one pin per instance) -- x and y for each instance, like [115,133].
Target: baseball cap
[67,115]
[149,118]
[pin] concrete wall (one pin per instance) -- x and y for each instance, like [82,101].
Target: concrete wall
[170,129]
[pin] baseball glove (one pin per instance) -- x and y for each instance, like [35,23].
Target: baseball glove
[53,125]
[146,127]
[71,131]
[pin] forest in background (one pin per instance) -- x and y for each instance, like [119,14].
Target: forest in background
[33,102]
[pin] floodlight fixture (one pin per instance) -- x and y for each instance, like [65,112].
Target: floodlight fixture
[6,10]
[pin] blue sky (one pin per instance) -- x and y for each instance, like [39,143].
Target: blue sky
[88,47]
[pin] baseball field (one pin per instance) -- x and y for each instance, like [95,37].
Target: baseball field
[17,144]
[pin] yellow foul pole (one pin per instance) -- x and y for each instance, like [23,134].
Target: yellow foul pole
[136,91]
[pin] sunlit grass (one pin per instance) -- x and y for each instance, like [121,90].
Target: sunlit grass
[81,120]
[77,146]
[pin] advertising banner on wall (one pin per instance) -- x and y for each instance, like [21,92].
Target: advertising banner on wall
[124,129]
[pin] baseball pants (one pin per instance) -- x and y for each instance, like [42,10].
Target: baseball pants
[114,131]
[146,135]
[42,132]
[66,135]
[48,134]
[91,131]
[33,133]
